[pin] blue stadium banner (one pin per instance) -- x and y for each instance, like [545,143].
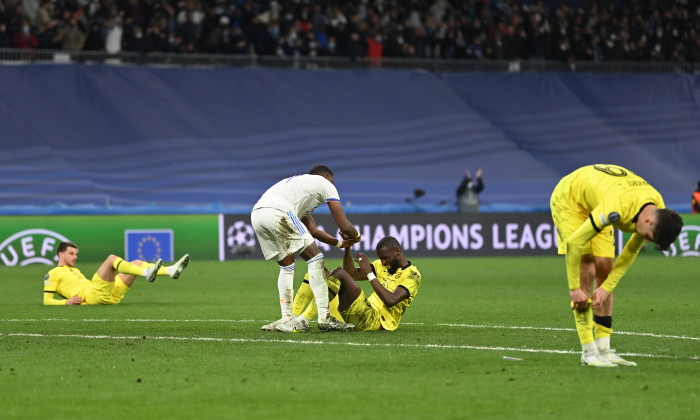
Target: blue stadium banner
[148,245]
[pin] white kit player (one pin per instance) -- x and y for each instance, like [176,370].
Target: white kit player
[284,226]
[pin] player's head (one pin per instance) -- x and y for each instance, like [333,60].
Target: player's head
[698,188]
[668,227]
[323,171]
[67,253]
[389,253]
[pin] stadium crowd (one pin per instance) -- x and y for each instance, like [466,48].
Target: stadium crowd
[623,30]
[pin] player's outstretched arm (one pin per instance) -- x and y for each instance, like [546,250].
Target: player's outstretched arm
[323,236]
[342,220]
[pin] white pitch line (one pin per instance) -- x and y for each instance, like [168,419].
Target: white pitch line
[679,337]
[349,343]
[510,327]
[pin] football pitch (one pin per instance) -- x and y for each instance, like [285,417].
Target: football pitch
[193,348]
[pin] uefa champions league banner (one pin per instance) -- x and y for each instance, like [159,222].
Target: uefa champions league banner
[420,234]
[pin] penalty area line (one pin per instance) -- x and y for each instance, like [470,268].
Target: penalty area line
[319,342]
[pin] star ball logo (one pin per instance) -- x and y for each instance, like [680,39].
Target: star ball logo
[31,246]
[240,234]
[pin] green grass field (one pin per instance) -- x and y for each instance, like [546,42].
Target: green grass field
[193,348]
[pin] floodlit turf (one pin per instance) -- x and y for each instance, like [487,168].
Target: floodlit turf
[193,348]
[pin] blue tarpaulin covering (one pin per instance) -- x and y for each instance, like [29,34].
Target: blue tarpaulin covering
[82,138]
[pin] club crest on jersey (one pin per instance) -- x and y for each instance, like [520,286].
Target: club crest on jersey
[612,217]
[31,246]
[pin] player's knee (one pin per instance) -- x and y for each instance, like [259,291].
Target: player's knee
[111,258]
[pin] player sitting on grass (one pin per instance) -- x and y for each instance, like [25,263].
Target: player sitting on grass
[395,282]
[109,284]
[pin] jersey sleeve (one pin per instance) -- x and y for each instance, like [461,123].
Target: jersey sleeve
[330,192]
[411,282]
[623,262]
[50,287]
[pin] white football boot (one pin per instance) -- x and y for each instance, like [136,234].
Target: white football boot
[152,272]
[271,326]
[332,324]
[176,269]
[295,325]
[593,358]
[614,358]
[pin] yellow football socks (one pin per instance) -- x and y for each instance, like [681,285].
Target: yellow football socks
[303,297]
[584,324]
[128,268]
[301,301]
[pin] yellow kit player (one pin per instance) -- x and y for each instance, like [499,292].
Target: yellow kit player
[395,282]
[109,284]
[586,205]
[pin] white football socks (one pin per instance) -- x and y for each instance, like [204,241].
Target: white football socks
[318,285]
[285,285]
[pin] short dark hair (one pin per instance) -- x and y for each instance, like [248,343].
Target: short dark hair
[668,226]
[63,246]
[388,242]
[321,170]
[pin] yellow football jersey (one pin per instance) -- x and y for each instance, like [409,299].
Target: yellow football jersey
[611,194]
[66,282]
[604,195]
[407,277]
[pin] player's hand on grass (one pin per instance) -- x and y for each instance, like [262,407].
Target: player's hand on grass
[74,300]
[579,299]
[599,296]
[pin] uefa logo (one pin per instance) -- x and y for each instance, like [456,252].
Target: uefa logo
[31,246]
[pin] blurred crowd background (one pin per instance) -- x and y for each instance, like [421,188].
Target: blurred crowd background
[623,30]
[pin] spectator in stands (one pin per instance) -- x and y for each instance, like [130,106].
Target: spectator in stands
[71,33]
[44,15]
[49,38]
[452,29]
[25,39]
[115,32]
[468,192]
[5,41]
[188,32]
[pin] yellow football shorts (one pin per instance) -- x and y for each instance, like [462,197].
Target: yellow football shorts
[568,216]
[362,315]
[103,292]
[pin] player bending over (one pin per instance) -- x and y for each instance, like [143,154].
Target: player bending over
[586,205]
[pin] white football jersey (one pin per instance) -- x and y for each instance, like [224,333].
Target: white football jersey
[299,194]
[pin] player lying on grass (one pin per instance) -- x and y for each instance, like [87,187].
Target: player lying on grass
[586,205]
[109,284]
[395,282]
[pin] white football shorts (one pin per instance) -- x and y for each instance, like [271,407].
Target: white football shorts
[279,233]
